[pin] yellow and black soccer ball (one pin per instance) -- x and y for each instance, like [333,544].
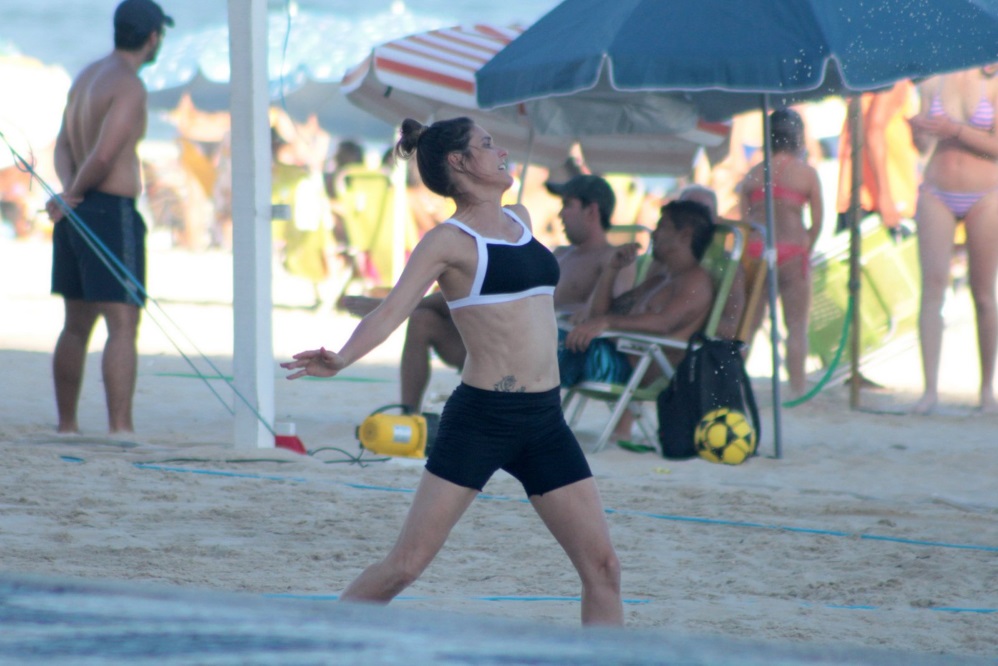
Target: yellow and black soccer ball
[725,436]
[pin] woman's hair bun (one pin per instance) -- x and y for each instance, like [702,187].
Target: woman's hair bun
[409,138]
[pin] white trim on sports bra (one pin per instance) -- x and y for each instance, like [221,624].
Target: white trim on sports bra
[475,296]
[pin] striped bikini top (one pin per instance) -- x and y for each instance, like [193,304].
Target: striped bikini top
[983,116]
[508,270]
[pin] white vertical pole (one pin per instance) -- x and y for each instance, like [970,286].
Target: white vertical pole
[253,356]
[400,217]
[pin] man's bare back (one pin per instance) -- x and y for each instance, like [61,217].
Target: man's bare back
[104,121]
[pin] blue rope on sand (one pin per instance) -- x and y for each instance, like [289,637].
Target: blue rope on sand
[609,511]
[411,597]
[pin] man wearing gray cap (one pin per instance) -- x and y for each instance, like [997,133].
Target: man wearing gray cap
[97,162]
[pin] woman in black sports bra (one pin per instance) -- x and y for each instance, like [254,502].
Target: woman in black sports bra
[506,413]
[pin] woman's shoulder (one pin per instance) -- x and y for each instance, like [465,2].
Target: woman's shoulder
[520,212]
[445,232]
[444,243]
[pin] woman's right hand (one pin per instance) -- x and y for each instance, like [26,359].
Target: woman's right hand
[921,134]
[315,363]
[939,127]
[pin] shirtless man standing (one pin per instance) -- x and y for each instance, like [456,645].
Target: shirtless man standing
[587,207]
[97,162]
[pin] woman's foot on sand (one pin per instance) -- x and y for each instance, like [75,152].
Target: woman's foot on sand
[988,404]
[926,404]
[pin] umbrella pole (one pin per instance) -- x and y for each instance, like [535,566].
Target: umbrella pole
[526,166]
[774,331]
[855,244]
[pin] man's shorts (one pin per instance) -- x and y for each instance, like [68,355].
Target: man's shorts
[79,272]
[600,362]
[524,434]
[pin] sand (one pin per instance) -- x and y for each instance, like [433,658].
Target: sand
[874,529]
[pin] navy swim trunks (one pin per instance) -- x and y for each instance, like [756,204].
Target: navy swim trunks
[524,434]
[80,273]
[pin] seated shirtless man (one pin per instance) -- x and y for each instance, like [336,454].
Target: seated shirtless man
[587,206]
[673,302]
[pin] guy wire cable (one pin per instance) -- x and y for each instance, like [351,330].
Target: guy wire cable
[131,285]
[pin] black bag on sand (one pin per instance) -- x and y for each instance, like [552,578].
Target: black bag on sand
[711,375]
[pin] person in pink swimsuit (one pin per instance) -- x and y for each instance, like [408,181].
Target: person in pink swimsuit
[795,186]
[956,126]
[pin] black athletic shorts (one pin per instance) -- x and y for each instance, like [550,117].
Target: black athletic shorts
[524,434]
[80,273]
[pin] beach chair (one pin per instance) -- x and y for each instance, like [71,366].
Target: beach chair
[890,282]
[756,270]
[721,261]
[366,201]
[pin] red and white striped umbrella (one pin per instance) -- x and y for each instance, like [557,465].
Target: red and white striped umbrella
[431,75]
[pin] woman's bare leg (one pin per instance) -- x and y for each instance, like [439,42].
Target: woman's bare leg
[982,251]
[436,508]
[574,514]
[795,295]
[936,226]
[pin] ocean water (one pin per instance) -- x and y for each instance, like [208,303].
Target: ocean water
[71,33]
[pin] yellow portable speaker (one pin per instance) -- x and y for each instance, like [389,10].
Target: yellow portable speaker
[406,435]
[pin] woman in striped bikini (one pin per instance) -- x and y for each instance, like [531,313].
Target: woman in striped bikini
[960,182]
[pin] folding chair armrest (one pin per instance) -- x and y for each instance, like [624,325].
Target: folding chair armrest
[635,338]
[643,344]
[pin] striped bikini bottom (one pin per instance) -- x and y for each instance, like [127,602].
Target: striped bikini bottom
[958,203]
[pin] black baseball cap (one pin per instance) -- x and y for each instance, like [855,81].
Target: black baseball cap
[587,189]
[140,18]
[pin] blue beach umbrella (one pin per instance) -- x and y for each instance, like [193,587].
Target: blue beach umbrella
[723,56]
[307,55]
[727,57]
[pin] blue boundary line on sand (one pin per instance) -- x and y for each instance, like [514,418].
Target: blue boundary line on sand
[424,597]
[608,511]
[634,602]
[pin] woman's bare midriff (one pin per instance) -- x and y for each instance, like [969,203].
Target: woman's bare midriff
[511,345]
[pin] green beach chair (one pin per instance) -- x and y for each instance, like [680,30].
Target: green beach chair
[721,261]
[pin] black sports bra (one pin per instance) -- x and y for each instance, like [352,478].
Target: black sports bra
[508,270]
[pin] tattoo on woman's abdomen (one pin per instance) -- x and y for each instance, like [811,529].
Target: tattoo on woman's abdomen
[508,385]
